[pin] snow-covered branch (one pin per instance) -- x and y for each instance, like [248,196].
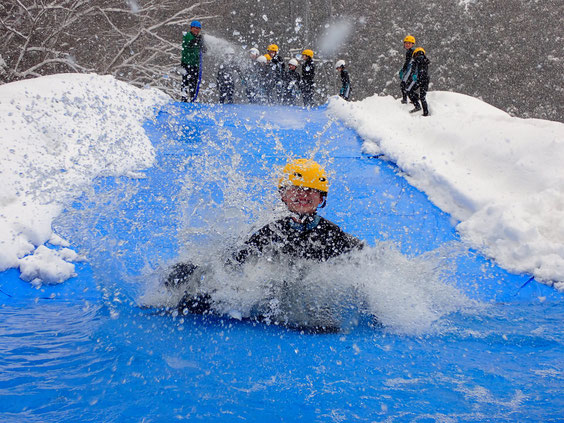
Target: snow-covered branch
[136,41]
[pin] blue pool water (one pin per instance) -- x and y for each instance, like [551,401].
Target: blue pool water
[88,350]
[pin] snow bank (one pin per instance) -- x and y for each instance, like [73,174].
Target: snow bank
[501,177]
[57,133]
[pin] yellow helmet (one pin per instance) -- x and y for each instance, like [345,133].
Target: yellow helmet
[304,173]
[409,39]
[308,53]
[417,50]
[267,57]
[272,47]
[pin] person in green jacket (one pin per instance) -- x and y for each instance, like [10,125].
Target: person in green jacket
[192,49]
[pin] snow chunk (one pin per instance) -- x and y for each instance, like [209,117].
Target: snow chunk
[57,134]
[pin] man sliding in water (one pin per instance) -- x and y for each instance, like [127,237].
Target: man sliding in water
[303,234]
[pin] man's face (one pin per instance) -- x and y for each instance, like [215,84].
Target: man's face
[195,30]
[271,53]
[302,200]
[291,67]
[407,45]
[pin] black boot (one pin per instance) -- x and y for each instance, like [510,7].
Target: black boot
[415,110]
[425,108]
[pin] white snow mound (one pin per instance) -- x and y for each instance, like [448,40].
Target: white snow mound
[501,177]
[57,133]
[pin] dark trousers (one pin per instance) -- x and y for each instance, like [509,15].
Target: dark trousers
[403,87]
[189,82]
[307,94]
[226,93]
[415,97]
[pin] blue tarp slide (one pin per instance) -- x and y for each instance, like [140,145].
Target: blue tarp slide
[85,350]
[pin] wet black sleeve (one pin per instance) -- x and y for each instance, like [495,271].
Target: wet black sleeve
[254,246]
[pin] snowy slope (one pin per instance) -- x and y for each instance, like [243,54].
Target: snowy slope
[57,133]
[500,177]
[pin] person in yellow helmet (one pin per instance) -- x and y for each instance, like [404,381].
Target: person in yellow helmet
[419,80]
[277,67]
[302,234]
[408,45]
[308,75]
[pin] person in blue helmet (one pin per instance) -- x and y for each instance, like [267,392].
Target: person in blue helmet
[192,48]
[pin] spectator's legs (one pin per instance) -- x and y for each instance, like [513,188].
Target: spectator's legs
[189,82]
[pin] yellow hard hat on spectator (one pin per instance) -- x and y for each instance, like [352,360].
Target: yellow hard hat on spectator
[417,50]
[308,53]
[409,39]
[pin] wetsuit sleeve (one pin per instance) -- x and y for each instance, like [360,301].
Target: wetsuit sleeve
[254,246]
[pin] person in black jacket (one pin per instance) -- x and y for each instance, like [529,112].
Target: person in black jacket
[408,44]
[292,83]
[303,234]
[226,78]
[277,69]
[308,75]
[345,91]
[419,80]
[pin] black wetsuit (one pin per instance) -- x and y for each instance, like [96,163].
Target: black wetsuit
[292,87]
[308,84]
[345,91]
[315,239]
[404,73]
[226,82]
[419,81]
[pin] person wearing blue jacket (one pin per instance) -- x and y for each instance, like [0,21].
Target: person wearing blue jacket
[419,80]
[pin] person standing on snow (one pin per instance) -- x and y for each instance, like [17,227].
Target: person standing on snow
[408,43]
[419,80]
[263,80]
[308,75]
[293,81]
[277,67]
[192,49]
[226,78]
[345,91]
[252,78]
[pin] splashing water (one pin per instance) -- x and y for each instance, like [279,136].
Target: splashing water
[334,37]
[221,202]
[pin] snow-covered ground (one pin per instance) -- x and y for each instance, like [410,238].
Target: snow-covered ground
[57,133]
[500,177]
